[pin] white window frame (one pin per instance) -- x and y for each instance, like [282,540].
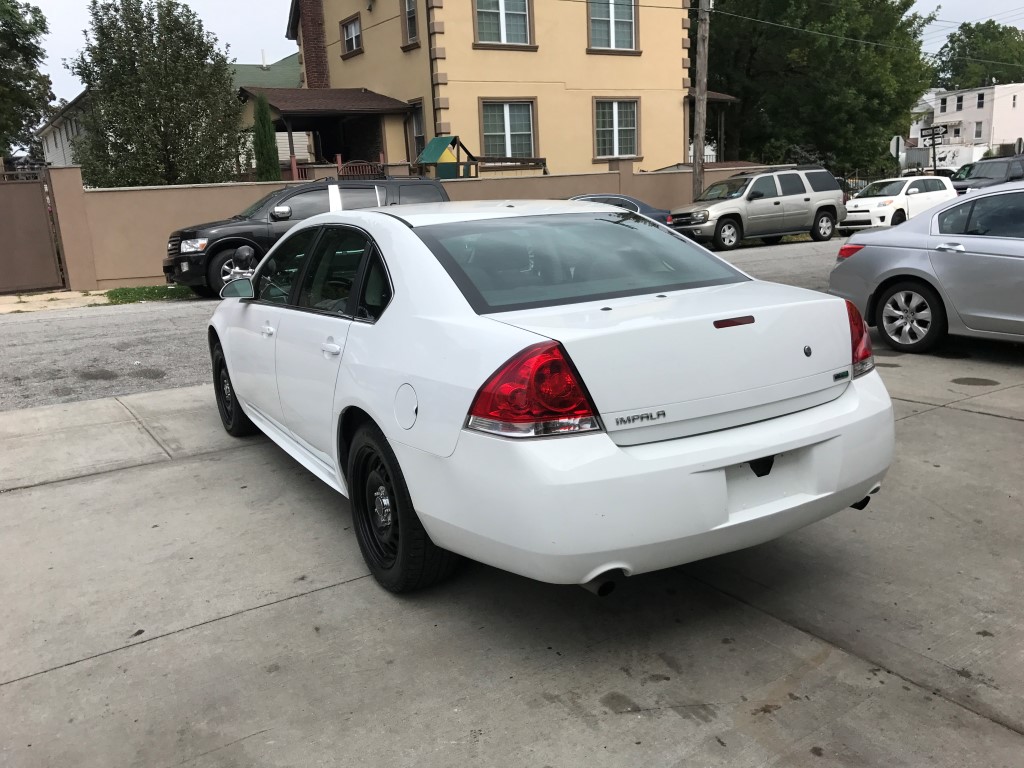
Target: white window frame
[942,104]
[981,101]
[347,38]
[508,126]
[978,128]
[960,103]
[503,32]
[611,25]
[615,127]
[410,13]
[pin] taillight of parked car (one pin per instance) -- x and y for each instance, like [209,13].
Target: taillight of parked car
[536,393]
[848,250]
[668,220]
[860,342]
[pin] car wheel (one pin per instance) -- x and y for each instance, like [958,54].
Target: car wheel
[219,270]
[203,291]
[394,544]
[235,422]
[773,240]
[728,234]
[911,317]
[898,218]
[824,226]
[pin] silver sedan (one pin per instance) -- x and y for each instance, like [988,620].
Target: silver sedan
[956,269]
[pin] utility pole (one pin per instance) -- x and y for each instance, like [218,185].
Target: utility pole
[700,121]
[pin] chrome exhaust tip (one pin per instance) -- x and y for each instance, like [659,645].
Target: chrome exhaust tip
[604,584]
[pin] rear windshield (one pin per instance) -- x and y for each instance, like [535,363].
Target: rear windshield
[822,181]
[541,261]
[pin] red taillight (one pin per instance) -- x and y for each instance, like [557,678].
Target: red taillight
[846,251]
[668,220]
[860,342]
[537,392]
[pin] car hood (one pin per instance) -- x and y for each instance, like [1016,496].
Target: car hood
[213,228]
[708,205]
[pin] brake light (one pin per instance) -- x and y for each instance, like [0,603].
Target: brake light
[846,251]
[536,393]
[860,342]
[668,220]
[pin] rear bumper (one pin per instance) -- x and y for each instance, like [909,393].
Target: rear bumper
[564,510]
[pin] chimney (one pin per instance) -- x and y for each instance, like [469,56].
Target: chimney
[263,55]
[314,44]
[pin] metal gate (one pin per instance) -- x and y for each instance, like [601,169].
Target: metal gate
[28,254]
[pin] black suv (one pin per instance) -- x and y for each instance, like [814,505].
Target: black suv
[989,172]
[201,256]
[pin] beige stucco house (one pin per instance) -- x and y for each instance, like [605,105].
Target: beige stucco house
[575,82]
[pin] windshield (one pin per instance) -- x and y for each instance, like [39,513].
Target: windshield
[251,210]
[962,173]
[724,190]
[885,188]
[993,170]
[541,261]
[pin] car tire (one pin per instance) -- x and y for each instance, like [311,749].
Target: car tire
[728,234]
[824,226]
[203,291]
[235,422]
[910,317]
[219,267]
[773,240]
[898,218]
[394,544]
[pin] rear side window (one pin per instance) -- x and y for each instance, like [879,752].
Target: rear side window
[359,197]
[792,184]
[539,261]
[822,181]
[419,193]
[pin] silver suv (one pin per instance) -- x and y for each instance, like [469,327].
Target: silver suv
[764,204]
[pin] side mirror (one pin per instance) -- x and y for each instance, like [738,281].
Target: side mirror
[913,191]
[238,289]
[244,257]
[755,195]
[281,213]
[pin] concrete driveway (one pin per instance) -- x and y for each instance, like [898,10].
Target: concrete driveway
[170,596]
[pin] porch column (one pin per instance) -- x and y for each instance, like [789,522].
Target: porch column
[291,149]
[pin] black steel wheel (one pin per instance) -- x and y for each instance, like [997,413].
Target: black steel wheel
[394,544]
[235,422]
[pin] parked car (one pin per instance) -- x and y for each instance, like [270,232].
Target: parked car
[961,173]
[989,172]
[628,203]
[764,204]
[564,390]
[890,202]
[201,256]
[958,270]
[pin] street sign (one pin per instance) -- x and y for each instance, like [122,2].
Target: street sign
[935,130]
[896,146]
[934,141]
[1018,147]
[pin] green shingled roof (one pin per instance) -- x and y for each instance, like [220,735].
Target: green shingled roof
[281,74]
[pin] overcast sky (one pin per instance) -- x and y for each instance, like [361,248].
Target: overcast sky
[254,26]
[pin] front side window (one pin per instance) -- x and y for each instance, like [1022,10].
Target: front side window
[276,276]
[508,129]
[306,204]
[503,21]
[918,187]
[792,184]
[352,35]
[514,263]
[991,216]
[328,283]
[766,186]
[612,24]
[615,129]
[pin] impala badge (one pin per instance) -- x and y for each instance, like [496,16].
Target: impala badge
[625,421]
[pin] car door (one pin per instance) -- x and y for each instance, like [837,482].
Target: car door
[301,206]
[917,196]
[796,202]
[977,252]
[765,213]
[252,337]
[311,345]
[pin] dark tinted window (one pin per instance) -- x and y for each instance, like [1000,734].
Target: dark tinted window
[419,193]
[376,293]
[504,264]
[992,216]
[621,202]
[934,185]
[306,204]
[328,283]
[766,186]
[919,186]
[822,181]
[792,184]
[277,275]
[1016,169]
[361,197]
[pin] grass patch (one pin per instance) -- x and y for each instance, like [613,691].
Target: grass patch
[150,293]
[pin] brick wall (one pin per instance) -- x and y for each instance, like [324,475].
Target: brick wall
[314,44]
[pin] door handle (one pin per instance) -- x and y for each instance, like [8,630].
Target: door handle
[950,247]
[330,349]
[807,199]
[267,331]
[778,202]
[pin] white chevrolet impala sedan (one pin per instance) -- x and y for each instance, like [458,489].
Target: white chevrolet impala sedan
[564,390]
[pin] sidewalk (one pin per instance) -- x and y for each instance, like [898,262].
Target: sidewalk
[35,302]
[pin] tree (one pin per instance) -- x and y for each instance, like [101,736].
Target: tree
[268,166]
[162,107]
[24,90]
[966,60]
[806,92]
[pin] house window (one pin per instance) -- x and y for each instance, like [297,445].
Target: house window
[977,130]
[956,133]
[981,100]
[615,128]
[612,24]
[419,140]
[959,103]
[508,129]
[942,105]
[503,21]
[1015,101]
[351,37]
[409,30]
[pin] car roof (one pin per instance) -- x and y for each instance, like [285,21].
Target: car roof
[425,214]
